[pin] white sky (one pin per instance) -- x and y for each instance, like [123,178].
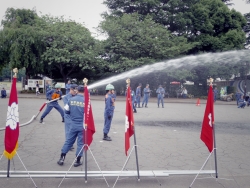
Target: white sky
[83,11]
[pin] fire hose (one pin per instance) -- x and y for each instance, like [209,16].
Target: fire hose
[35,116]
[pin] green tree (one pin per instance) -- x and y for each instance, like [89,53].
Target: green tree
[209,22]
[132,42]
[69,47]
[20,40]
[247,30]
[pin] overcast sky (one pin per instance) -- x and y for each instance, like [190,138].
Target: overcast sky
[83,11]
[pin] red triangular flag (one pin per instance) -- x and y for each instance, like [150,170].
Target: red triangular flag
[88,119]
[129,121]
[12,124]
[208,121]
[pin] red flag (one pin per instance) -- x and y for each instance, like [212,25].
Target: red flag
[208,122]
[88,119]
[12,124]
[129,121]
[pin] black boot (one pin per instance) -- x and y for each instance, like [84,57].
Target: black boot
[106,137]
[78,162]
[135,111]
[61,160]
[63,119]
[41,120]
[146,106]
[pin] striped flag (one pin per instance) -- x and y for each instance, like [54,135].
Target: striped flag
[12,124]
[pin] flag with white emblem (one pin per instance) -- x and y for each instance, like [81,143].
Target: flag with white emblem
[12,124]
[208,122]
[129,121]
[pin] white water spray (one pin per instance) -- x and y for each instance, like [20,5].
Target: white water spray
[230,57]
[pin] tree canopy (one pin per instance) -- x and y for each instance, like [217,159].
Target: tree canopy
[21,44]
[69,46]
[132,42]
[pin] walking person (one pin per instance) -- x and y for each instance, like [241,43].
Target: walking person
[37,88]
[138,95]
[75,109]
[146,94]
[109,111]
[67,87]
[160,95]
[53,94]
[67,120]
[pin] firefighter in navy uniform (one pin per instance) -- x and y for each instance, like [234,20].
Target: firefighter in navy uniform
[53,94]
[109,111]
[75,109]
[73,91]
[138,95]
[160,95]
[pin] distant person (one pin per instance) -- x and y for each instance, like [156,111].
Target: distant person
[241,102]
[67,87]
[133,99]
[146,94]
[215,93]
[53,94]
[247,97]
[47,88]
[138,95]
[222,91]
[109,110]
[37,88]
[238,96]
[184,93]
[3,93]
[160,95]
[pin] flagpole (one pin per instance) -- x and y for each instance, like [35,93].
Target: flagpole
[8,172]
[85,154]
[136,154]
[85,81]
[215,156]
[215,149]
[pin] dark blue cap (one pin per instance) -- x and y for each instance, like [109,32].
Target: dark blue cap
[81,88]
[73,86]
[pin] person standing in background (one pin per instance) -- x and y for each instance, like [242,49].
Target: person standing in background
[138,95]
[37,88]
[67,87]
[146,94]
[160,95]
